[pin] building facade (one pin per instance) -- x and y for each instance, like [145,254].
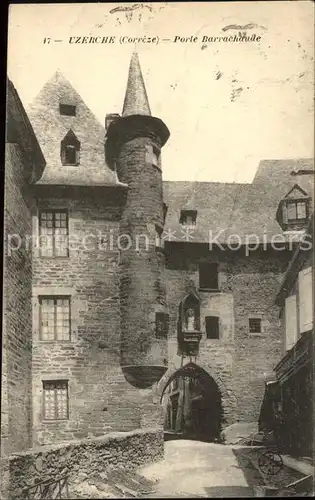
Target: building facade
[292,390]
[24,164]
[143,292]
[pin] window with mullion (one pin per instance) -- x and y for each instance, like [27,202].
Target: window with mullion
[296,210]
[55,400]
[53,229]
[54,318]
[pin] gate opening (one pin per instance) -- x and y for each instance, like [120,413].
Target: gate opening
[192,406]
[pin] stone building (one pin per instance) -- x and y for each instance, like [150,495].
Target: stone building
[24,165]
[135,284]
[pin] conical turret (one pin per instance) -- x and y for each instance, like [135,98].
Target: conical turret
[136,119]
[136,100]
[133,146]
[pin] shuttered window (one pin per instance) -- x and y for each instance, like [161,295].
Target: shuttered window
[212,327]
[290,322]
[208,276]
[305,300]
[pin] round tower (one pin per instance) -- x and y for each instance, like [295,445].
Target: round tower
[133,146]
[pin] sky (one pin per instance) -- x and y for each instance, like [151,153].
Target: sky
[227,105]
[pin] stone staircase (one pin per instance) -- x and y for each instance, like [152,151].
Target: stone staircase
[113,484]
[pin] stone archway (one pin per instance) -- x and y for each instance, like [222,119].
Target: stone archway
[229,401]
[192,404]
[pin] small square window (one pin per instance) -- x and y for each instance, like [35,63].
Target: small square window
[212,327]
[188,217]
[67,109]
[254,325]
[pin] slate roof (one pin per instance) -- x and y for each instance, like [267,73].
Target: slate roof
[236,209]
[136,100]
[226,209]
[19,130]
[50,128]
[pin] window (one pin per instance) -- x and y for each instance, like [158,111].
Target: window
[53,233]
[293,210]
[152,155]
[254,325]
[161,325]
[188,217]
[54,321]
[158,237]
[296,210]
[212,327]
[208,276]
[56,405]
[67,109]
[305,300]
[70,149]
[290,322]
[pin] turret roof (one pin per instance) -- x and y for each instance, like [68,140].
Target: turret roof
[136,99]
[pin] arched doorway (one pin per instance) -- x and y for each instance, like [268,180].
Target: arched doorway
[192,406]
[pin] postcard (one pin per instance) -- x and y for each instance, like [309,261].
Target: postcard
[158,240]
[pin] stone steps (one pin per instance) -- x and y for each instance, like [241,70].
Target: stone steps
[117,483]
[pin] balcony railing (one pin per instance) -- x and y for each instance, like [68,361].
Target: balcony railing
[48,489]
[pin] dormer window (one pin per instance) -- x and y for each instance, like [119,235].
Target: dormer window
[67,109]
[70,149]
[293,210]
[152,155]
[188,218]
[296,210]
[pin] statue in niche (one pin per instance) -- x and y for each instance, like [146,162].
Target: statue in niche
[190,320]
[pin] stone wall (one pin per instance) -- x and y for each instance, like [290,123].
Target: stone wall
[121,450]
[255,281]
[17,289]
[239,360]
[100,399]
